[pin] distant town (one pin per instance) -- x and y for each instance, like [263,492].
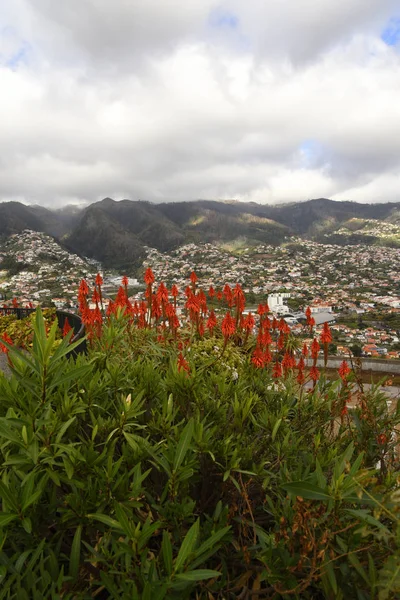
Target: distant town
[356,289]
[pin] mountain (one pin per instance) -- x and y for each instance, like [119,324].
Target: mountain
[115,233]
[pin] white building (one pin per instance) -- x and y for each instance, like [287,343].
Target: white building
[276,305]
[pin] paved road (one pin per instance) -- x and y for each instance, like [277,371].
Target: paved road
[3,363]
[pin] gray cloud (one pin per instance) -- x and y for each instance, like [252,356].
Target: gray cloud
[171,100]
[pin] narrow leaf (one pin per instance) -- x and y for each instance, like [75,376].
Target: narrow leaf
[187,546]
[198,575]
[75,553]
[306,490]
[183,444]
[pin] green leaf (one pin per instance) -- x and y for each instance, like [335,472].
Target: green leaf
[365,516]
[74,375]
[166,550]
[31,500]
[27,524]
[6,518]
[212,540]
[275,429]
[8,498]
[331,577]
[187,546]
[198,575]
[75,556]
[64,428]
[183,445]
[105,520]
[306,490]
[353,559]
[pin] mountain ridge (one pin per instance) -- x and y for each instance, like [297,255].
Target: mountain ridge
[115,232]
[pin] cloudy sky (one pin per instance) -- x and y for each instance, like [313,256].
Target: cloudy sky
[263,100]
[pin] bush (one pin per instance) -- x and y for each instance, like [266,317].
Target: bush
[137,472]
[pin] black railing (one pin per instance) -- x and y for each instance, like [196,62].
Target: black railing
[62,315]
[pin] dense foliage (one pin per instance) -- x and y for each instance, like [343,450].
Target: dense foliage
[177,462]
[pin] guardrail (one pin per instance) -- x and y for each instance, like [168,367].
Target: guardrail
[62,315]
[377,365]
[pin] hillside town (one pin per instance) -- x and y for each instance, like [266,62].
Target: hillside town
[356,289]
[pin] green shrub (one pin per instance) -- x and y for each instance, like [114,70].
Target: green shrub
[125,477]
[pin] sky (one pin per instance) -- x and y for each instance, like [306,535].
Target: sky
[260,100]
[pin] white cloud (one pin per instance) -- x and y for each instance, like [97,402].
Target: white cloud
[199,99]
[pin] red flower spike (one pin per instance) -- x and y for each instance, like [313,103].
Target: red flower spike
[182,363]
[174,291]
[67,328]
[83,288]
[5,338]
[315,348]
[211,321]
[149,276]
[277,371]
[326,335]
[344,370]
[308,313]
[382,439]
[248,322]
[211,292]
[99,280]
[300,377]
[314,374]
[228,326]
[267,357]
[125,281]
[258,358]
[304,350]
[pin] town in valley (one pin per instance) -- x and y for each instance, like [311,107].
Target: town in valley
[356,289]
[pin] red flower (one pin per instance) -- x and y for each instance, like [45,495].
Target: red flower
[300,377]
[288,361]
[258,358]
[67,327]
[267,357]
[99,280]
[174,291]
[304,350]
[382,439]
[211,292]
[300,364]
[83,288]
[15,303]
[277,371]
[162,293]
[344,370]
[149,276]
[315,348]
[260,309]
[314,373]
[248,322]
[182,363]
[193,277]
[5,338]
[228,294]
[211,321]
[219,296]
[308,313]
[228,326]
[125,281]
[326,335]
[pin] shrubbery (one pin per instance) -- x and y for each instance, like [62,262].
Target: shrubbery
[165,464]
